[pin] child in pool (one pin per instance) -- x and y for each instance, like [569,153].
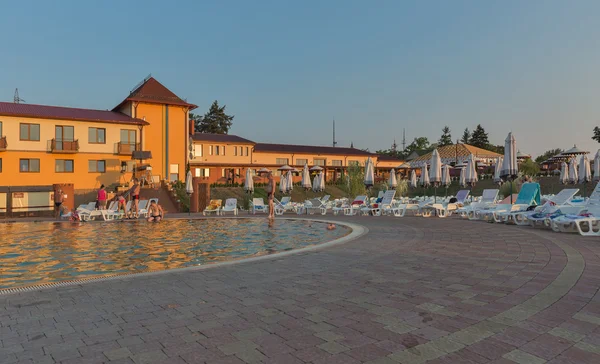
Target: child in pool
[330,226]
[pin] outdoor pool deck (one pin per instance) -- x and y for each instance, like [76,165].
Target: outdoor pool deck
[411,290]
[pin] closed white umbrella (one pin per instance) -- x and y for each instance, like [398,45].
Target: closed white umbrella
[189,188]
[510,168]
[435,172]
[597,166]
[564,173]
[306,178]
[282,184]
[290,181]
[393,182]
[446,181]
[321,182]
[471,174]
[315,185]
[249,182]
[462,180]
[573,178]
[424,180]
[498,170]
[413,179]
[369,173]
[585,174]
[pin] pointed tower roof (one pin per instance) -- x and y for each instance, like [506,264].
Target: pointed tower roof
[152,91]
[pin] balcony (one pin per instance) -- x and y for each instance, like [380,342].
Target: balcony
[123,148]
[63,146]
[3,144]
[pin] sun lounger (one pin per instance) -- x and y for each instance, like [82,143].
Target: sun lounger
[488,199]
[230,206]
[315,204]
[417,208]
[528,196]
[487,214]
[581,218]
[358,203]
[258,205]
[213,207]
[284,205]
[541,213]
[384,205]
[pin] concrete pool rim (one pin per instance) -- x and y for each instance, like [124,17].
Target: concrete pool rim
[356,231]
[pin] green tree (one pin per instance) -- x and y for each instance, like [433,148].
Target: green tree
[215,120]
[496,148]
[446,138]
[596,136]
[529,168]
[548,154]
[420,143]
[466,136]
[479,137]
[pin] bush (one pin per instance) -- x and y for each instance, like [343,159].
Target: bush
[181,195]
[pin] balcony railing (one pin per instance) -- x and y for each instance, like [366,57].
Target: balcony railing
[3,143]
[64,146]
[124,148]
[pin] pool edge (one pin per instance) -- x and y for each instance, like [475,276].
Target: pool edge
[356,232]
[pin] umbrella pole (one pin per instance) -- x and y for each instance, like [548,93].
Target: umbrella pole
[511,186]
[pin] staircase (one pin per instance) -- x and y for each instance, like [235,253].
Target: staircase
[165,199]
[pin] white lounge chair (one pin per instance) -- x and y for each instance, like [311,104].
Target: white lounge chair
[488,199]
[230,206]
[377,208]
[541,213]
[586,221]
[214,206]
[417,208]
[528,196]
[358,203]
[315,204]
[258,205]
[284,205]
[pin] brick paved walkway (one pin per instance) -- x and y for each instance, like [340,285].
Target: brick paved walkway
[412,290]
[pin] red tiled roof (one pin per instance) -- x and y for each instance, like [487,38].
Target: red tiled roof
[153,91]
[457,151]
[66,113]
[308,149]
[220,138]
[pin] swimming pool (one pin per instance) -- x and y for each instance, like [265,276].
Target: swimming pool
[42,253]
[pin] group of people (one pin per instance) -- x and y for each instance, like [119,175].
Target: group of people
[155,211]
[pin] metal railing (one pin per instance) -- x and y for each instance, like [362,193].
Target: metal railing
[127,148]
[64,146]
[3,144]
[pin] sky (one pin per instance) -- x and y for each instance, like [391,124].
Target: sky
[287,69]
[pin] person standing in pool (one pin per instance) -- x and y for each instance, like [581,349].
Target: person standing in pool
[135,197]
[271,194]
[59,196]
[102,195]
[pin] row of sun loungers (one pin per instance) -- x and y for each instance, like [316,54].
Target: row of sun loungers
[88,212]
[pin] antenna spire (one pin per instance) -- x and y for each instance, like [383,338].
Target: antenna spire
[334,142]
[403,139]
[17,99]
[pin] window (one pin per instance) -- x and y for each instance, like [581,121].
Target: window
[97,135]
[197,150]
[63,166]
[64,135]
[128,136]
[246,151]
[337,163]
[29,165]
[281,161]
[202,172]
[223,151]
[0,129]
[319,162]
[301,162]
[210,150]
[0,165]
[96,166]
[29,132]
[235,151]
[174,172]
[353,163]
[217,150]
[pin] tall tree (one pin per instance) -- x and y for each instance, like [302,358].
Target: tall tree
[548,154]
[479,138]
[420,143]
[529,168]
[596,136]
[446,138]
[466,136]
[215,121]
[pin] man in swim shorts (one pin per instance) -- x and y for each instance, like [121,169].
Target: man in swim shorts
[58,200]
[155,211]
[135,197]
[271,195]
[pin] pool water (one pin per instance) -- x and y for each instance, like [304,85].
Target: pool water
[39,253]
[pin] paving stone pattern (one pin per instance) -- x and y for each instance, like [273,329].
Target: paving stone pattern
[412,290]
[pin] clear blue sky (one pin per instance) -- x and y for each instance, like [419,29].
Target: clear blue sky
[286,69]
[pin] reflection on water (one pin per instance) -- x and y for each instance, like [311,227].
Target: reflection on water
[35,253]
